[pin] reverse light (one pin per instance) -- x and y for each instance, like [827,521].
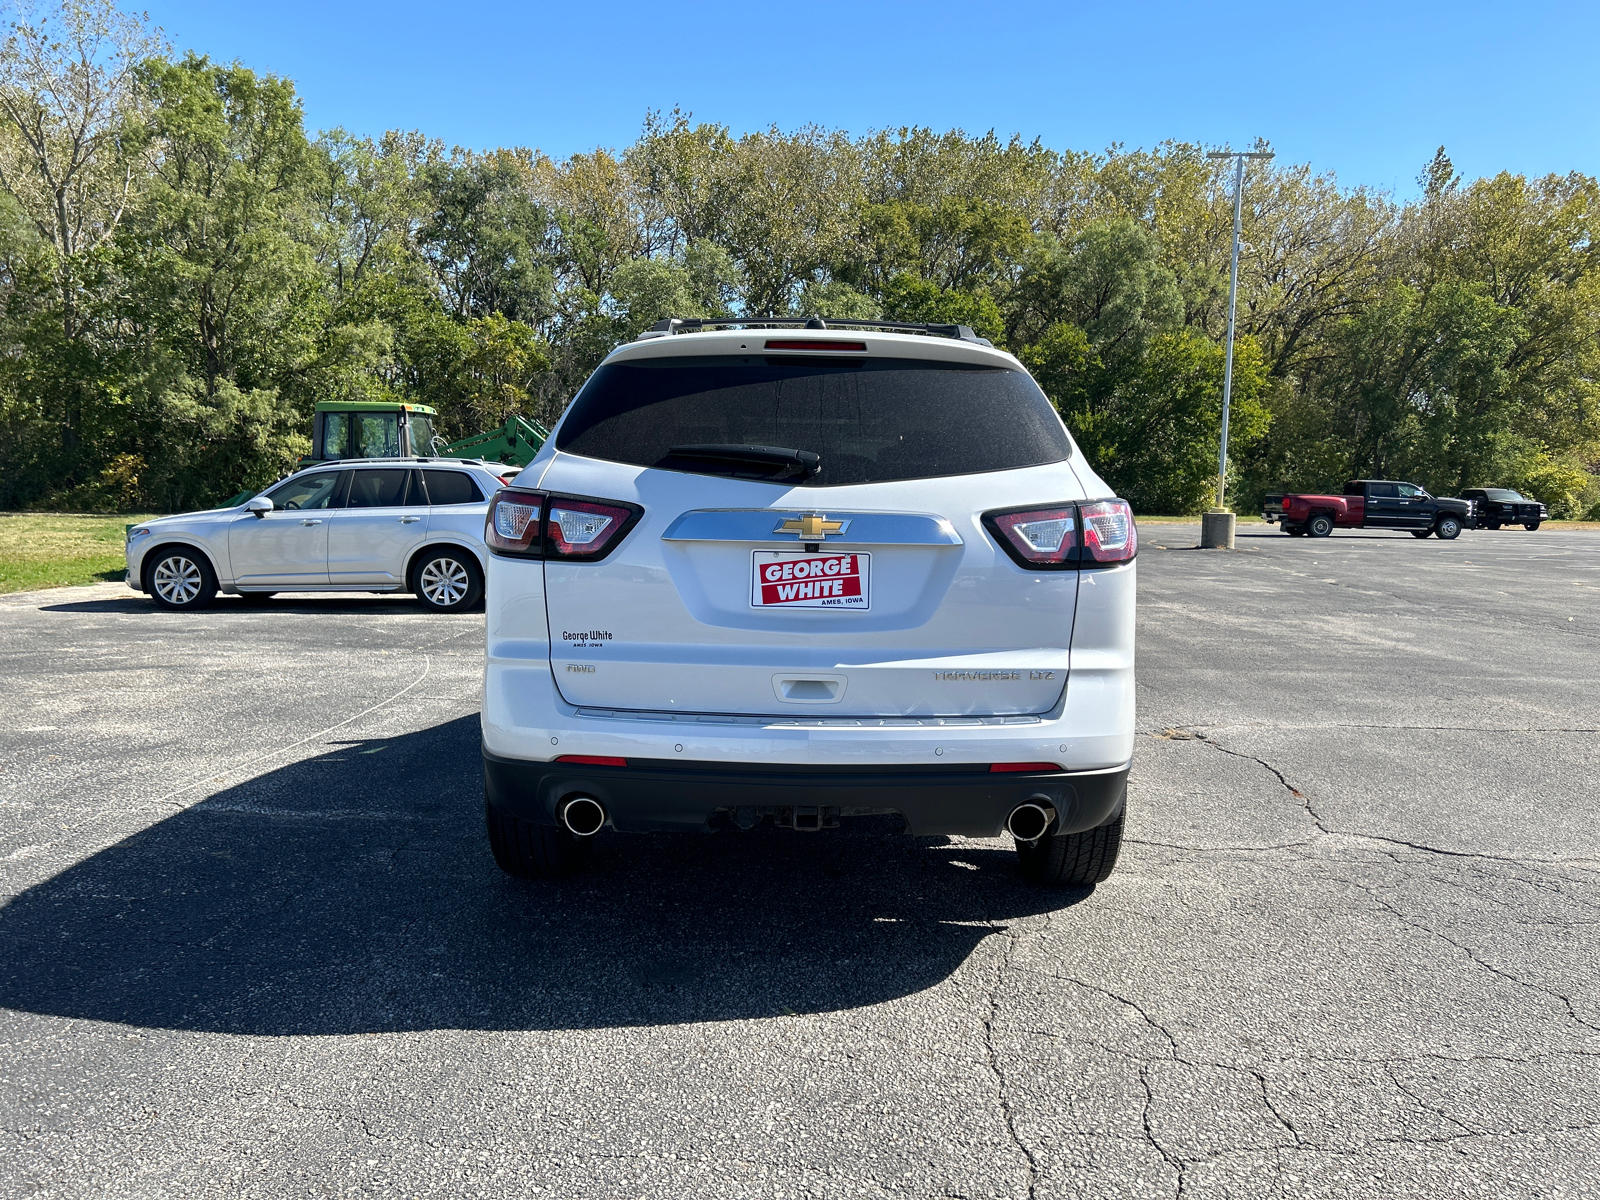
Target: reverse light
[585,528]
[1044,537]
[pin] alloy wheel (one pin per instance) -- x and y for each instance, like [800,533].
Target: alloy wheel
[444,581]
[177,580]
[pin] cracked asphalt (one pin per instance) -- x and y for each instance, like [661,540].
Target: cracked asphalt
[252,942]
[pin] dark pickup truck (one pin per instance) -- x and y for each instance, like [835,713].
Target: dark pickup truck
[1502,506]
[1369,504]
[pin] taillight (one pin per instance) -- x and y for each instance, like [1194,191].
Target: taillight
[1065,537]
[516,522]
[584,529]
[1039,536]
[538,525]
[1109,535]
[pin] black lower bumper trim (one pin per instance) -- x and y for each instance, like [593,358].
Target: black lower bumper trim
[670,796]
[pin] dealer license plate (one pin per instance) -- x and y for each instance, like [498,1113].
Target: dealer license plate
[791,579]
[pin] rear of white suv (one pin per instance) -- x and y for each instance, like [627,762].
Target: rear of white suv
[790,576]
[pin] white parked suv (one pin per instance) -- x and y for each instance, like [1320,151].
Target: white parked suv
[769,575]
[370,525]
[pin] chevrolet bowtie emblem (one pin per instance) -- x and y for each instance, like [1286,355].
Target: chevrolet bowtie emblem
[810,527]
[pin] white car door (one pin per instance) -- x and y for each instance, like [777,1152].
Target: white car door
[384,518]
[288,547]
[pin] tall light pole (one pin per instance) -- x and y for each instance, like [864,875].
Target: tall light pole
[1219,532]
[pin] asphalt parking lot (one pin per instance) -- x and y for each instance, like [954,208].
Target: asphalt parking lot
[253,943]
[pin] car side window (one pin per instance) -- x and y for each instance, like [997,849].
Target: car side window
[451,487]
[306,492]
[1410,491]
[1384,491]
[385,488]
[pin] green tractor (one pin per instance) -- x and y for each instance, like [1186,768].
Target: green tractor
[380,429]
[388,429]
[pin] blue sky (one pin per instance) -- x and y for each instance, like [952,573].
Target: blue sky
[1366,90]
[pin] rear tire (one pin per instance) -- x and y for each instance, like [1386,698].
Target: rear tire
[1072,859]
[1448,528]
[1320,525]
[1530,526]
[447,580]
[1421,533]
[179,578]
[531,851]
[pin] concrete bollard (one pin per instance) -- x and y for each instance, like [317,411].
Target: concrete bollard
[1216,530]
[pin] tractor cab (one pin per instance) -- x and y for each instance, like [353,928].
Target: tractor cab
[371,429]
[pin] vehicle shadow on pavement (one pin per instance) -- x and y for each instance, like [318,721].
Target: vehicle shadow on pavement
[355,893]
[282,605]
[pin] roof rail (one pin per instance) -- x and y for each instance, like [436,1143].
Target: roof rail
[671,325]
[410,458]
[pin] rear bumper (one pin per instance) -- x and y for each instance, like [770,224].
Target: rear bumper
[674,796]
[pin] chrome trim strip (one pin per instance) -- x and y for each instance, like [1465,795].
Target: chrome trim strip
[783,720]
[757,526]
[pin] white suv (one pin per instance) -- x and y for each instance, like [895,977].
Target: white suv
[787,576]
[378,525]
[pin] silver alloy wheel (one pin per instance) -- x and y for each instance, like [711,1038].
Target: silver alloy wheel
[177,580]
[444,581]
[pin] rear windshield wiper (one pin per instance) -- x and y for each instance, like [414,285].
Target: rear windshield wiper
[745,462]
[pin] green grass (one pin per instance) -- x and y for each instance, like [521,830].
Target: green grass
[1146,519]
[45,550]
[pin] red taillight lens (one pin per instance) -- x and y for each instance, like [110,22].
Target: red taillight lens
[592,760]
[1041,536]
[1109,535]
[515,524]
[1032,768]
[585,528]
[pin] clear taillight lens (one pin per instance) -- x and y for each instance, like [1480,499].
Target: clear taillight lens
[515,524]
[1044,536]
[585,528]
[1109,535]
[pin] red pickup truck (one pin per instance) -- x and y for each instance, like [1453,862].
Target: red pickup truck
[1369,504]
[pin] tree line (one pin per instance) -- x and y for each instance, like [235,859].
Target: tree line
[185,271]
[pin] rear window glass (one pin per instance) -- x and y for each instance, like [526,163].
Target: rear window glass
[1503,495]
[451,487]
[870,421]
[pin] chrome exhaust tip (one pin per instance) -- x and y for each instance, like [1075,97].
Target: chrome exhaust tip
[583,816]
[1031,821]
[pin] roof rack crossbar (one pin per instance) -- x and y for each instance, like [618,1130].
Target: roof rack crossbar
[672,325]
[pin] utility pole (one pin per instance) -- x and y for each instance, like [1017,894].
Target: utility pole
[1217,526]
